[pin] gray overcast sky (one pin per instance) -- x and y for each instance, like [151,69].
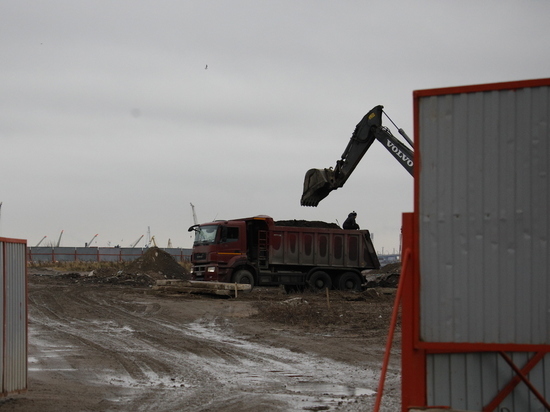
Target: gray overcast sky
[111,124]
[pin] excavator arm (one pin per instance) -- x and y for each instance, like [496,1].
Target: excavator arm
[318,183]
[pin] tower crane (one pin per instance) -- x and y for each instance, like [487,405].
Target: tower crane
[59,240]
[136,242]
[90,242]
[195,220]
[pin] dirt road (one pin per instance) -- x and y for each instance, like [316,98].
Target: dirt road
[120,348]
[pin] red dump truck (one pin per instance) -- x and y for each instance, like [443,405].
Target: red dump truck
[259,251]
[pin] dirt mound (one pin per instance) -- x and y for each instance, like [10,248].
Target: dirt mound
[158,261]
[307,223]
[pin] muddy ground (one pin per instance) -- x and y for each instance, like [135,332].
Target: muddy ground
[120,346]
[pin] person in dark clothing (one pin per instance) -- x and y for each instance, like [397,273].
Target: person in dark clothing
[350,221]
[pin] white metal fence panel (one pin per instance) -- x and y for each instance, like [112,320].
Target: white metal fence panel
[469,381]
[13,342]
[484,216]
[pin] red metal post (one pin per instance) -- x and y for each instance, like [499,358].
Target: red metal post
[393,324]
[413,359]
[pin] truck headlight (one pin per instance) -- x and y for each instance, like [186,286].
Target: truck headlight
[211,269]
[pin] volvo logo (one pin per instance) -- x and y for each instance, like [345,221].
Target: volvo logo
[406,159]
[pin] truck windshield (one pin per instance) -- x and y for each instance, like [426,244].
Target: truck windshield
[205,235]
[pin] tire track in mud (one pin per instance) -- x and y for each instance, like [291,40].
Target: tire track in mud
[130,343]
[152,360]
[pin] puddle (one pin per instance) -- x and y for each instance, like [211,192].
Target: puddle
[329,389]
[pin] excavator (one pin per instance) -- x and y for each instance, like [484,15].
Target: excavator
[318,183]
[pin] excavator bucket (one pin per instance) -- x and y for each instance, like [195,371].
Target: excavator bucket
[317,186]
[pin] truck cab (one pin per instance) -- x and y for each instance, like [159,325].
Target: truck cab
[220,248]
[215,246]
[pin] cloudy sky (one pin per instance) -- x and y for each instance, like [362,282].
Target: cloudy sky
[111,124]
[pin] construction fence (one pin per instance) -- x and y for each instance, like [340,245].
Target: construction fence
[97,254]
[13,317]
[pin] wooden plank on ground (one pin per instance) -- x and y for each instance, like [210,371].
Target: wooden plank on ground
[190,286]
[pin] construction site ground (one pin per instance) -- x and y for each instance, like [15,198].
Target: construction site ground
[118,345]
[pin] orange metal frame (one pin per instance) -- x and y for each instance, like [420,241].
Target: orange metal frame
[414,350]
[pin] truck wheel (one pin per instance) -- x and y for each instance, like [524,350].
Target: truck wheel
[244,276]
[349,281]
[319,281]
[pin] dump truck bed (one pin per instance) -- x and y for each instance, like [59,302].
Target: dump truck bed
[320,247]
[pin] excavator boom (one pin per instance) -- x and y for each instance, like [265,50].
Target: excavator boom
[318,183]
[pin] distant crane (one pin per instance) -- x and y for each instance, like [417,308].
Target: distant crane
[90,242]
[59,240]
[153,241]
[41,240]
[136,242]
[195,220]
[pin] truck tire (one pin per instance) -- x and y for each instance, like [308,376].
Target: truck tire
[244,276]
[319,280]
[349,281]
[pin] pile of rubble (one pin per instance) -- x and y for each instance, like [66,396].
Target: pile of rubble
[385,277]
[155,264]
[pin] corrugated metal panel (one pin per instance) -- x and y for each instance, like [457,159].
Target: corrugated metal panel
[86,254]
[14,307]
[2,328]
[65,253]
[129,254]
[470,381]
[483,216]
[106,254]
